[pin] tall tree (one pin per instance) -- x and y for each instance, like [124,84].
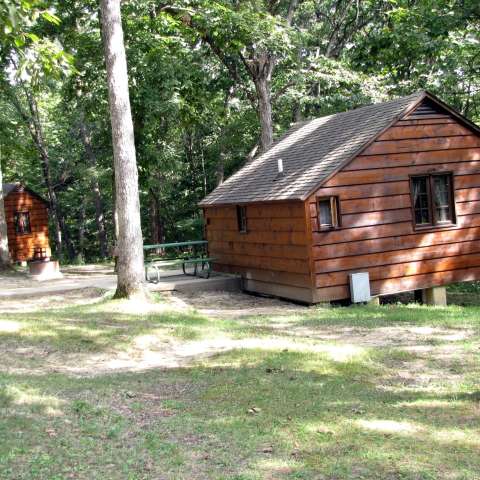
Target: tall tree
[86,138]
[30,116]
[14,37]
[248,41]
[130,242]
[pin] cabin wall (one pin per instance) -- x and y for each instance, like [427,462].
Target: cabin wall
[377,233]
[273,256]
[22,246]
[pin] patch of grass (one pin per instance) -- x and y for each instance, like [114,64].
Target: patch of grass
[94,328]
[187,333]
[284,404]
[464,293]
[452,316]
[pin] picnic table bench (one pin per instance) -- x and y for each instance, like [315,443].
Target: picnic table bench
[198,259]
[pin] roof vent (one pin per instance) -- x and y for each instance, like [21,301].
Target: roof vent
[280,167]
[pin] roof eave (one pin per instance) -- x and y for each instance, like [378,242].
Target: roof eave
[462,119]
[231,204]
[31,192]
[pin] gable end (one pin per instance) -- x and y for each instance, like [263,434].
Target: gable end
[426,110]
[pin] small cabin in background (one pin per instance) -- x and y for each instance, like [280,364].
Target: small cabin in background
[390,189]
[27,223]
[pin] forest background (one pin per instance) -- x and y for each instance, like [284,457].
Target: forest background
[211,85]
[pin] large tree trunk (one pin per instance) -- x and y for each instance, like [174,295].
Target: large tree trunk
[4,253]
[116,233]
[261,68]
[262,87]
[97,196]
[130,242]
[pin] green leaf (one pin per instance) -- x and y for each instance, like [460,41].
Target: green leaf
[50,17]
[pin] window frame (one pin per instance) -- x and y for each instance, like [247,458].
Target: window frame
[434,223]
[242,224]
[15,221]
[334,212]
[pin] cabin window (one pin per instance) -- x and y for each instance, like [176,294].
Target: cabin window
[432,198]
[242,219]
[22,223]
[328,216]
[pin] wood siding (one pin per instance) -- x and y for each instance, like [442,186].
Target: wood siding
[22,246]
[377,233]
[272,256]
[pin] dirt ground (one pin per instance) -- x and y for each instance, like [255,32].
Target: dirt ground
[271,323]
[32,303]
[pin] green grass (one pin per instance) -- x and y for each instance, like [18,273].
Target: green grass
[294,401]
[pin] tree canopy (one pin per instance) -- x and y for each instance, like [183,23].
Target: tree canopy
[211,84]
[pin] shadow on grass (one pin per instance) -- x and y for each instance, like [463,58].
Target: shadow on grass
[241,415]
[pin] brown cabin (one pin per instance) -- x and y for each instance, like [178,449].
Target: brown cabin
[27,223]
[391,189]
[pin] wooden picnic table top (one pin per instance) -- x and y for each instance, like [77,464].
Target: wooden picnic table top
[175,244]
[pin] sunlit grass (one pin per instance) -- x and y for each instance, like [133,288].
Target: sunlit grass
[284,397]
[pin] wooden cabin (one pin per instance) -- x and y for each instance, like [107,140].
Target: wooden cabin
[391,189]
[27,223]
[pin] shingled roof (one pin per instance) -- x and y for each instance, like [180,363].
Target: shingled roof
[8,188]
[311,152]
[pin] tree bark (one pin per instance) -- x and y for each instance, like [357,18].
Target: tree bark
[157,234]
[81,233]
[262,87]
[260,67]
[5,261]
[220,167]
[97,195]
[116,233]
[130,242]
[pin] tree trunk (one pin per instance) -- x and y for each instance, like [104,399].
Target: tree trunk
[220,167]
[156,223]
[65,234]
[61,234]
[32,122]
[222,157]
[81,233]
[157,228]
[261,69]
[130,242]
[4,252]
[262,87]
[97,196]
[114,212]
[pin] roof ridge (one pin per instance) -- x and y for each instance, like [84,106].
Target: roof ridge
[312,150]
[393,100]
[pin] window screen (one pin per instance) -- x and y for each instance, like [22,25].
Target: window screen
[432,198]
[22,223]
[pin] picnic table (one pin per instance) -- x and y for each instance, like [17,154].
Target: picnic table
[195,257]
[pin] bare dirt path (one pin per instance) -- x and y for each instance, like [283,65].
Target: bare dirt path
[18,284]
[261,323]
